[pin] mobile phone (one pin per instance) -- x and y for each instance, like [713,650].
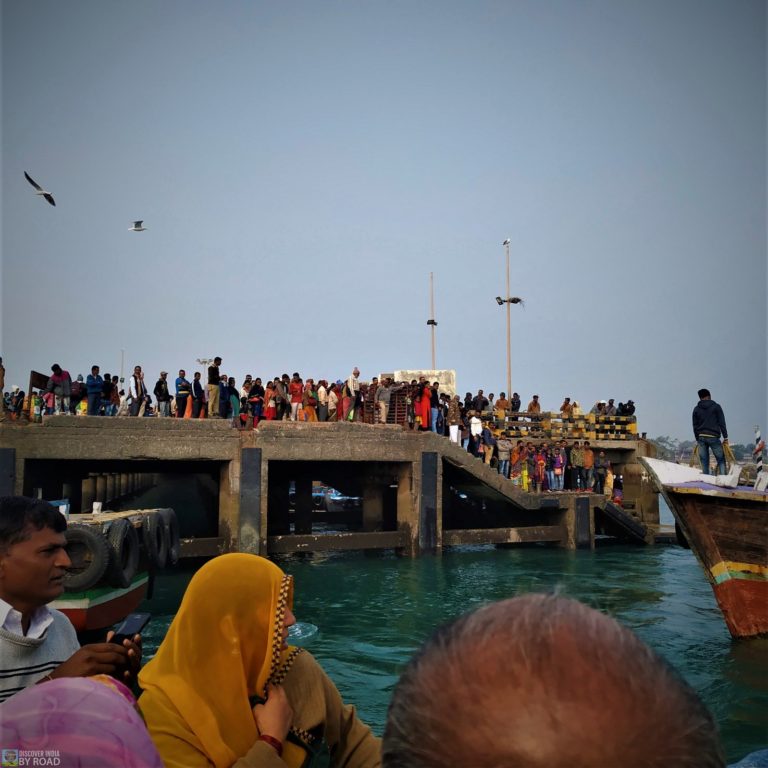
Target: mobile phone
[130,626]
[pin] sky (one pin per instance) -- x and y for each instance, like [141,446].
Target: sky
[302,167]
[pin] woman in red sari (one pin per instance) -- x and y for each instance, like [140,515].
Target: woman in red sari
[424,405]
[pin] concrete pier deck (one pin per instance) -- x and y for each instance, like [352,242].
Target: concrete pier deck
[414,486]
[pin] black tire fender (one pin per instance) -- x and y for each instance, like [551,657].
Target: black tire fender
[173,535]
[89,552]
[155,539]
[123,553]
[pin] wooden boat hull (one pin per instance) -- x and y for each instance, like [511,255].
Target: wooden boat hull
[102,606]
[727,529]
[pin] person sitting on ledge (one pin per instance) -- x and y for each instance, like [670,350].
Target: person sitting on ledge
[543,681]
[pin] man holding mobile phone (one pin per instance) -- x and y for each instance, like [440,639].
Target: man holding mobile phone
[38,643]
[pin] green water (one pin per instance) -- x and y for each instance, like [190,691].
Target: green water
[373,611]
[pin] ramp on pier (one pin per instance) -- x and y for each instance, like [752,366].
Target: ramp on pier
[620,522]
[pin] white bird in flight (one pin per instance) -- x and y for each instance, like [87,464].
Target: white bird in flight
[40,191]
[137,227]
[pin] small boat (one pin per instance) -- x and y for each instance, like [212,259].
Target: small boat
[114,556]
[726,525]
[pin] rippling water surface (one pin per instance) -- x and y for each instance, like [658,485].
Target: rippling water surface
[374,610]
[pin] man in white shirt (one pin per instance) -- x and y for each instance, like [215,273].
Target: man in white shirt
[38,643]
[322,400]
[137,392]
[351,394]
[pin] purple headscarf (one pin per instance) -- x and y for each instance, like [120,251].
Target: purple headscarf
[89,723]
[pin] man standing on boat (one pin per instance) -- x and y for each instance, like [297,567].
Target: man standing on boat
[38,643]
[708,425]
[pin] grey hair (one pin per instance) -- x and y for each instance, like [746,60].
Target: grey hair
[544,681]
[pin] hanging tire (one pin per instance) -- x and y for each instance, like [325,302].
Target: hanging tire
[123,553]
[155,540]
[89,552]
[173,536]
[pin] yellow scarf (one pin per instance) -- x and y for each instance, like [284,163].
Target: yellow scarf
[223,646]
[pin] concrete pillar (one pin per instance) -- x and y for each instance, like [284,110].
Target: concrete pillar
[110,496]
[373,505]
[249,534]
[123,484]
[278,522]
[88,493]
[101,488]
[66,491]
[429,533]
[579,522]
[229,503]
[407,518]
[303,520]
[7,471]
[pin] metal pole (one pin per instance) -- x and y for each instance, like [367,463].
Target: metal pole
[432,316]
[509,329]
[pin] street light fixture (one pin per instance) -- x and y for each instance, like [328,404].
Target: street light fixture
[204,362]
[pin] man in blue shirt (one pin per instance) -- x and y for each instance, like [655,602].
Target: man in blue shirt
[93,386]
[183,391]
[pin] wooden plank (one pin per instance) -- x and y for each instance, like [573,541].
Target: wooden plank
[522,535]
[336,541]
[202,547]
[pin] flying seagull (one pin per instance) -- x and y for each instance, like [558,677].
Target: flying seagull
[40,191]
[137,227]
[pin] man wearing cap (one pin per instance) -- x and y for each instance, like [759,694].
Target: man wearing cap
[708,425]
[162,395]
[610,409]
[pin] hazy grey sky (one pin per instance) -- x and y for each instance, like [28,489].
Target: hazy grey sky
[302,167]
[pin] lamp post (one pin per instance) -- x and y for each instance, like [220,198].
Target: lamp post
[509,301]
[432,320]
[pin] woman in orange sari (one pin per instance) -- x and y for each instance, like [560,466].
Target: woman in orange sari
[309,401]
[225,690]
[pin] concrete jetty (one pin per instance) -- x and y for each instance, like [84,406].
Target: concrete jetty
[419,492]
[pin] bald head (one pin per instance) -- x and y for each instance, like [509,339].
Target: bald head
[544,681]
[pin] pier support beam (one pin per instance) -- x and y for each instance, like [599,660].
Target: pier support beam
[110,494]
[101,488]
[7,471]
[249,533]
[407,518]
[303,519]
[88,493]
[373,505]
[278,522]
[429,537]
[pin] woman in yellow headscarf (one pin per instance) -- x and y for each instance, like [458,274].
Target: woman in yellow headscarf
[224,689]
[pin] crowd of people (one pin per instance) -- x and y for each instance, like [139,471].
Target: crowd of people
[535,680]
[290,398]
